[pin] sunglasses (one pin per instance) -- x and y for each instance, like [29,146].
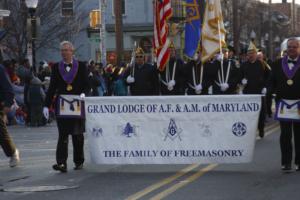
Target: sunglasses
[139,56]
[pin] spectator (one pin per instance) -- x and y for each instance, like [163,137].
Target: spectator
[6,101]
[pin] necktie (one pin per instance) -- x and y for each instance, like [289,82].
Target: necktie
[292,61]
[68,67]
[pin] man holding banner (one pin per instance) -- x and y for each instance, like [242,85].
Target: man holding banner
[255,78]
[69,77]
[286,84]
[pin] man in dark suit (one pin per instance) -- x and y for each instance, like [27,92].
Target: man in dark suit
[198,77]
[228,75]
[68,77]
[171,78]
[255,79]
[6,101]
[286,84]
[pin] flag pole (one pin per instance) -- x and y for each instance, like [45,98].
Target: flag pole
[221,53]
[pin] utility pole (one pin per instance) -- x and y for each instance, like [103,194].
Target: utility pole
[270,30]
[294,17]
[235,24]
[102,29]
[119,30]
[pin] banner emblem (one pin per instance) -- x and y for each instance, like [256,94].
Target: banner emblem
[97,132]
[129,130]
[239,129]
[172,131]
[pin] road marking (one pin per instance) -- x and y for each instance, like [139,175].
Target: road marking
[271,126]
[162,183]
[269,130]
[183,183]
[273,130]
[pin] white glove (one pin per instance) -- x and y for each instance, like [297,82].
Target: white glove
[264,91]
[241,92]
[219,57]
[198,89]
[46,112]
[130,79]
[90,74]
[82,96]
[195,57]
[244,81]
[224,86]
[171,85]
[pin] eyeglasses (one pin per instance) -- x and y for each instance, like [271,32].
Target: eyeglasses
[139,56]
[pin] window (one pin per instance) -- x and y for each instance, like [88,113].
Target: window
[67,7]
[123,7]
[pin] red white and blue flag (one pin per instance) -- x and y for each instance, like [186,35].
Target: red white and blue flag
[162,12]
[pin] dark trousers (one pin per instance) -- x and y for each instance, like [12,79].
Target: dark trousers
[36,115]
[269,98]
[62,144]
[287,129]
[6,141]
[262,115]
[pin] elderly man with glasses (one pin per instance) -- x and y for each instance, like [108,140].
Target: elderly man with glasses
[286,84]
[68,77]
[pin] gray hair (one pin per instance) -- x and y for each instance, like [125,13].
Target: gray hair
[63,43]
[293,39]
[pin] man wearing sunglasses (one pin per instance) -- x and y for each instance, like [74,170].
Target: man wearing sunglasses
[142,77]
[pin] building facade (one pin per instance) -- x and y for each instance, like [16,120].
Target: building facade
[137,28]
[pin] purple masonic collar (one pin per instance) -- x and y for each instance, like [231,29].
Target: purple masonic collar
[68,76]
[285,67]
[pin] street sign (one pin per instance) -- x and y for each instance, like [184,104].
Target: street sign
[94,39]
[4,13]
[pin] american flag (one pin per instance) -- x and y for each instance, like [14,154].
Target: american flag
[162,12]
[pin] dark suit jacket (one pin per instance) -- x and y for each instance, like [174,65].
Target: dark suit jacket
[58,86]
[6,90]
[146,80]
[279,83]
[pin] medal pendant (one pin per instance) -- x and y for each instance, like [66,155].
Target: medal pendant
[290,82]
[69,87]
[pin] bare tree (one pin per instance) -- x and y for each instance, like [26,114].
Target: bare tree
[15,43]
[53,26]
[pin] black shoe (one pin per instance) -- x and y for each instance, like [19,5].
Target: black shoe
[60,167]
[261,133]
[297,168]
[286,168]
[78,167]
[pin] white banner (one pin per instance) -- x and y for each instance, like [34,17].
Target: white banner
[172,129]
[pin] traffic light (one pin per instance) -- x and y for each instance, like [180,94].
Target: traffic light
[95,19]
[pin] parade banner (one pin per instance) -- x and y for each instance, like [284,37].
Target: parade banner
[172,130]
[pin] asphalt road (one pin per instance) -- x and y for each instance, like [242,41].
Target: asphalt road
[34,179]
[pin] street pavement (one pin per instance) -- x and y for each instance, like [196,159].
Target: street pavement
[34,179]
